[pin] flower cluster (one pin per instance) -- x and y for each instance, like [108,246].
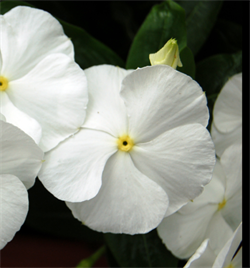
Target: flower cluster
[127,150]
[217,212]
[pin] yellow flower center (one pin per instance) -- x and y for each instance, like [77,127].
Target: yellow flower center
[222,204]
[3,83]
[230,266]
[125,143]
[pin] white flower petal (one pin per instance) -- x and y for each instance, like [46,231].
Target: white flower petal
[231,161]
[182,234]
[106,110]
[223,140]
[218,232]
[203,257]
[181,160]
[55,94]
[232,211]
[227,111]
[30,35]
[73,170]
[13,207]
[128,202]
[159,98]
[2,117]
[19,119]
[237,260]
[213,192]
[19,155]
[225,255]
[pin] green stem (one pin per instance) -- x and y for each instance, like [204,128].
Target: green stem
[90,261]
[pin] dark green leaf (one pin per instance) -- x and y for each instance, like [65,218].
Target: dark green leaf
[88,51]
[187,59]
[228,36]
[50,215]
[145,250]
[200,18]
[213,72]
[5,6]
[165,21]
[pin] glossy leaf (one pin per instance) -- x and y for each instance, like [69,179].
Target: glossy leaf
[200,18]
[146,250]
[187,59]
[50,215]
[165,21]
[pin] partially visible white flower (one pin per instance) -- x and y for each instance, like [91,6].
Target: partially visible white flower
[142,153]
[20,162]
[215,214]
[230,255]
[42,90]
[227,115]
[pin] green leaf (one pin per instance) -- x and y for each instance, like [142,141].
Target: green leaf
[5,6]
[187,59]
[213,72]
[165,21]
[50,215]
[228,36]
[144,250]
[200,18]
[88,50]
[91,260]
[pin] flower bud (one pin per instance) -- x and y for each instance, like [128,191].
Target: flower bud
[167,55]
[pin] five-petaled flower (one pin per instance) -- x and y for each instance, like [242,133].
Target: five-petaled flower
[142,153]
[42,90]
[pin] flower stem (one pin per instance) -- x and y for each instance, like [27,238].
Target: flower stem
[90,261]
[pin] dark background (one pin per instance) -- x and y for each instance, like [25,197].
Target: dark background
[115,23]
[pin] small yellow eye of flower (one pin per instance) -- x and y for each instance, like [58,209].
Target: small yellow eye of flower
[222,204]
[125,143]
[230,266]
[3,83]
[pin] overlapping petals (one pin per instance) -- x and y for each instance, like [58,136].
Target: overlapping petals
[169,159]
[57,88]
[128,201]
[227,115]
[73,170]
[215,214]
[44,82]
[176,160]
[13,207]
[159,99]
[20,162]
[229,256]
[28,35]
[19,155]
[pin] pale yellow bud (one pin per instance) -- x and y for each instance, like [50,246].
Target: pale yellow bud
[168,55]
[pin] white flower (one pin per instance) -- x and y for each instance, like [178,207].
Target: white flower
[215,214]
[142,153]
[42,90]
[20,161]
[227,115]
[230,255]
